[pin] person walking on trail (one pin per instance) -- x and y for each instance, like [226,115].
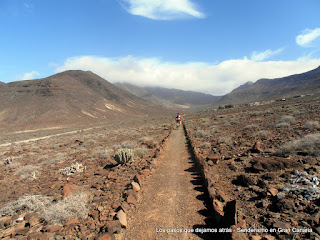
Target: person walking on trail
[178,119]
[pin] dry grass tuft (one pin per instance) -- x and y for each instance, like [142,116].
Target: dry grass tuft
[262,134]
[285,121]
[309,145]
[311,125]
[75,206]
[27,172]
[29,203]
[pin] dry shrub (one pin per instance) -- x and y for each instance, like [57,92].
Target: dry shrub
[60,157]
[213,129]
[282,124]
[309,144]
[205,145]
[251,126]
[262,134]
[29,203]
[311,125]
[225,139]
[89,142]
[75,167]
[75,206]
[28,171]
[141,151]
[128,144]
[101,153]
[285,121]
[199,133]
[11,163]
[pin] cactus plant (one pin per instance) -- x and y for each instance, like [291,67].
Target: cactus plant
[123,155]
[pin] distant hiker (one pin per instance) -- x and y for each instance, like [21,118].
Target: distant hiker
[178,119]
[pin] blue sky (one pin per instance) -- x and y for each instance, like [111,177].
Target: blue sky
[204,45]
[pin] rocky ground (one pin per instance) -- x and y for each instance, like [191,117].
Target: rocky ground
[70,186]
[263,161]
[260,165]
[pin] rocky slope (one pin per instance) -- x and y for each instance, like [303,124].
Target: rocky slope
[170,97]
[69,98]
[272,89]
[261,166]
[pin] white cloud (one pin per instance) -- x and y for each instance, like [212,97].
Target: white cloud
[30,75]
[217,79]
[307,37]
[261,56]
[163,9]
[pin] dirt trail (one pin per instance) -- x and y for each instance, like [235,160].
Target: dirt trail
[45,137]
[172,198]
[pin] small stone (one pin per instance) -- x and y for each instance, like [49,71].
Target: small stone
[256,237]
[283,225]
[72,221]
[125,206]
[135,186]
[145,172]
[215,159]
[269,237]
[315,217]
[210,163]
[94,214]
[131,199]
[112,175]
[137,178]
[121,215]
[22,231]
[51,228]
[256,147]
[105,236]
[272,192]
[8,232]
[5,221]
[113,226]
[317,230]
[69,189]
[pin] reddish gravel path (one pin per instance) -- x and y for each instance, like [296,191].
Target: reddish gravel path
[172,198]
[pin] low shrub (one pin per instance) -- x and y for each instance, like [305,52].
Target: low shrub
[311,125]
[75,167]
[262,134]
[309,145]
[251,126]
[27,172]
[56,212]
[141,151]
[75,206]
[199,133]
[29,203]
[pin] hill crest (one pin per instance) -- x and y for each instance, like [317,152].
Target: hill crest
[69,98]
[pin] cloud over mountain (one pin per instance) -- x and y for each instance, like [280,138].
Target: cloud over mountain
[216,79]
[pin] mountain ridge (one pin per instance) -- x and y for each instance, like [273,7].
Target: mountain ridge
[170,96]
[69,98]
[272,89]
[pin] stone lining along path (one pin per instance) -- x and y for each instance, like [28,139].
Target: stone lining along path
[173,200]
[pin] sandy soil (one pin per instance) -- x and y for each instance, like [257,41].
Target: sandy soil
[172,199]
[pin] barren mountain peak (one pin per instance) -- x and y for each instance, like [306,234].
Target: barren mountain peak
[69,98]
